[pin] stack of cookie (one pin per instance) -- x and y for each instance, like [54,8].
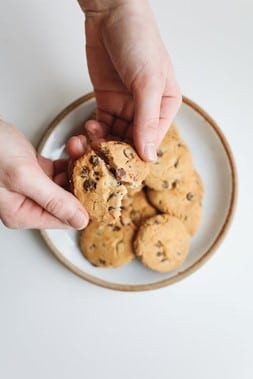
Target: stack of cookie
[138,209]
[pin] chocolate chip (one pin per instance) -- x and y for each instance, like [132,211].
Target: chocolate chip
[111,209]
[96,175]
[159,254]
[94,160]
[174,184]
[84,171]
[102,261]
[104,154]
[176,163]
[111,196]
[165,184]
[159,153]
[116,228]
[159,243]
[190,196]
[128,153]
[89,185]
[119,173]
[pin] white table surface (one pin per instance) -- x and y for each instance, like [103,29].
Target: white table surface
[52,323]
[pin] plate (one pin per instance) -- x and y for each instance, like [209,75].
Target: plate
[212,158]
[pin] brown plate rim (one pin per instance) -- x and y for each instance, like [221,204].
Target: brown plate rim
[208,253]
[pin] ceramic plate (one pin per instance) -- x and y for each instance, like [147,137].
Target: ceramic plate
[213,159]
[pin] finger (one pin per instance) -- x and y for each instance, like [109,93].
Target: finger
[52,168]
[129,134]
[119,127]
[60,165]
[18,212]
[47,165]
[76,146]
[104,117]
[51,197]
[96,130]
[169,108]
[146,120]
[61,179]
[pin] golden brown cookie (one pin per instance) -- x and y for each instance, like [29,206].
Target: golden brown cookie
[124,162]
[136,208]
[162,243]
[192,218]
[183,200]
[174,160]
[97,189]
[107,245]
[131,191]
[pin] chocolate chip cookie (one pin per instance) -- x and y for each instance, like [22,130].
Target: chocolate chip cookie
[97,188]
[162,243]
[125,164]
[174,160]
[136,208]
[107,245]
[182,200]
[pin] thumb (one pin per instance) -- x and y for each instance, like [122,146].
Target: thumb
[51,197]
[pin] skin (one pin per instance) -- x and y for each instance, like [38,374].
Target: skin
[137,98]
[31,195]
[131,72]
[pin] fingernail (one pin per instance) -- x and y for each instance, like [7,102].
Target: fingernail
[150,152]
[80,220]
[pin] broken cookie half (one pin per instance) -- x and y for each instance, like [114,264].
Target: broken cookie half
[100,179]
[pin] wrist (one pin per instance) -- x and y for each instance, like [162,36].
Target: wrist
[97,6]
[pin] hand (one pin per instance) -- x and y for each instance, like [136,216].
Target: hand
[135,87]
[30,192]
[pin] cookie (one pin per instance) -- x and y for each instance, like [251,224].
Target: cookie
[124,162]
[183,200]
[107,245]
[174,160]
[192,218]
[97,188]
[162,243]
[131,191]
[136,208]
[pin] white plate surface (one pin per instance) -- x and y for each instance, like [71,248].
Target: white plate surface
[212,159]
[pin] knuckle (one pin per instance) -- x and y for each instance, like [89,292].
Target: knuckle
[60,208]
[55,205]
[10,221]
